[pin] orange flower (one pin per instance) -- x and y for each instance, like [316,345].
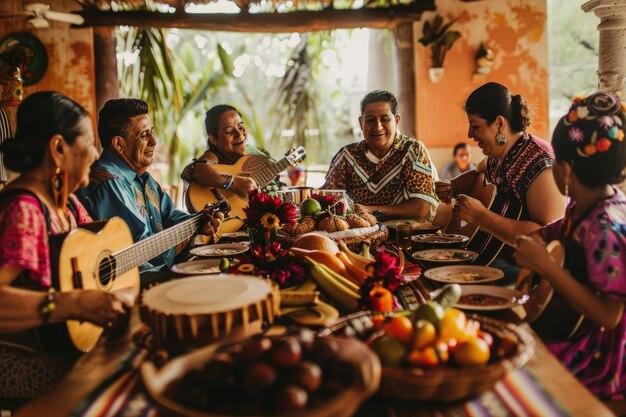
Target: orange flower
[623,106]
[603,145]
[590,149]
[572,116]
[620,135]
[578,99]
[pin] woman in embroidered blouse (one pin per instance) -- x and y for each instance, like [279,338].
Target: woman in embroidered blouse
[590,157]
[53,149]
[517,162]
[387,171]
[227,141]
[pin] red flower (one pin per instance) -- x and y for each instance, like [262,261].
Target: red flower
[261,204]
[603,145]
[386,275]
[330,203]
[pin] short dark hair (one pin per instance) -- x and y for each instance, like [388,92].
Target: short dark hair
[591,138]
[492,100]
[41,116]
[459,146]
[114,118]
[377,96]
[212,120]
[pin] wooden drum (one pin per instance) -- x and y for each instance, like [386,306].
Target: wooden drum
[192,312]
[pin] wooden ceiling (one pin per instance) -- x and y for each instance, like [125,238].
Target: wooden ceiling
[256,15]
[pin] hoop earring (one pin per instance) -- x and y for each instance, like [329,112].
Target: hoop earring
[500,138]
[59,188]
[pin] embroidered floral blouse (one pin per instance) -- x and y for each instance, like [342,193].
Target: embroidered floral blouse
[405,172]
[596,358]
[24,232]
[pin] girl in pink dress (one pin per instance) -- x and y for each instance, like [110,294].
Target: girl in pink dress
[590,157]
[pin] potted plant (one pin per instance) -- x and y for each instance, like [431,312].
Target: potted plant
[440,38]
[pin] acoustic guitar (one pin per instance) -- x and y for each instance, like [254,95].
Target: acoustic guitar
[548,313]
[102,256]
[486,245]
[259,168]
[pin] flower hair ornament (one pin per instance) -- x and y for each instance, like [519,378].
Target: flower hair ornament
[594,123]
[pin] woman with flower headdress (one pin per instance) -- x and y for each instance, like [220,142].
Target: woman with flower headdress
[590,158]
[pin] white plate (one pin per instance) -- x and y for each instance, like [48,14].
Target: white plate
[440,239]
[199,267]
[423,226]
[219,250]
[464,274]
[489,297]
[445,256]
[235,235]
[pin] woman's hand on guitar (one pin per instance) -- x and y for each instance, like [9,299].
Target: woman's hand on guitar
[469,209]
[243,185]
[106,309]
[531,253]
[213,221]
[445,190]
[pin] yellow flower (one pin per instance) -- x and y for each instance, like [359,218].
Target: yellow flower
[246,268]
[270,221]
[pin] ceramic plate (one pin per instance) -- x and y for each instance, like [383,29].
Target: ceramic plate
[418,226]
[443,256]
[199,267]
[220,250]
[464,274]
[489,297]
[440,239]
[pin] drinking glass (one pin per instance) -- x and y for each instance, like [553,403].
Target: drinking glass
[403,235]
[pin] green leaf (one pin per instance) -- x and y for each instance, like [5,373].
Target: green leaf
[227,62]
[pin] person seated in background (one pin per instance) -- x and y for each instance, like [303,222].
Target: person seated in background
[227,142]
[52,149]
[590,161]
[389,173]
[462,162]
[121,186]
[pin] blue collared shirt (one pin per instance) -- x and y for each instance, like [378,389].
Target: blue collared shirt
[116,190]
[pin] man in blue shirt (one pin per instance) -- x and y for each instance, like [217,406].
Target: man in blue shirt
[120,184]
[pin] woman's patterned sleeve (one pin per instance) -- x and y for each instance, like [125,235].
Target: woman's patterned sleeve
[336,176]
[605,253]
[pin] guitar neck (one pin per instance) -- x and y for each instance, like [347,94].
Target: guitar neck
[146,249]
[265,175]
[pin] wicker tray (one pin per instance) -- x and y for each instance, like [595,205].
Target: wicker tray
[442,383]
[376,238]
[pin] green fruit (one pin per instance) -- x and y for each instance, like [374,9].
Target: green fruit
[310,207]
[390,350]
[430,311]
[224,264]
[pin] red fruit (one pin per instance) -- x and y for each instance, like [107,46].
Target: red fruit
[305,337]
[290,398]
[325,350]
[309,375]
[487,337]
[286,352]
[254,349]
[259,378]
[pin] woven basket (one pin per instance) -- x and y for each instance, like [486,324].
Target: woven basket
[442,383]
[375,238]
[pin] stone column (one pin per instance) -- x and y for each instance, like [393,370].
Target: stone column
[612,48]
[405,67]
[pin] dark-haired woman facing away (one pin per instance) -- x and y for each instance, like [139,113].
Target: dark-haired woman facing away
[590,158]
[517,162]
[52,150]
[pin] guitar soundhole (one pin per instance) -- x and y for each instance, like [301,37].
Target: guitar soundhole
[106,271]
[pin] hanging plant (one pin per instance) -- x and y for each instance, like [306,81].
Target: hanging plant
[440,38]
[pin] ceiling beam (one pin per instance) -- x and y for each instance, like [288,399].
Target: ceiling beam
[298,21]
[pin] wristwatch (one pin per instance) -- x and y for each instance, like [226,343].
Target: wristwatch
[229,181]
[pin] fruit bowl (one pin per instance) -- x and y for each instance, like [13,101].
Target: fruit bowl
[376,235]
[364,381]
[444,382]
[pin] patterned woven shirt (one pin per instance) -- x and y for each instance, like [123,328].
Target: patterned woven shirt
[405,172]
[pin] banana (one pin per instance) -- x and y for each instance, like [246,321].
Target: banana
[345,298]
[299,298]
[340,278]
[357,275]
[356,259]
[365,250]
[307,285]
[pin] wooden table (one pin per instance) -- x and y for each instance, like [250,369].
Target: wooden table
[104,360]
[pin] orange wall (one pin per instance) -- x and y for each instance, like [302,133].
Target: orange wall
[70,53]
[516,31]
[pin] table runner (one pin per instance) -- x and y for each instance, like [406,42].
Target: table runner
[518,395]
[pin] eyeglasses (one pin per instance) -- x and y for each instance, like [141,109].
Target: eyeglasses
[147,133]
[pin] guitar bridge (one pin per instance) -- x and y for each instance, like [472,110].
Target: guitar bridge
[77,276]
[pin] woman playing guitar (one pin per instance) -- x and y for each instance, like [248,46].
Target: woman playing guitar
[517,162]
[590,156]
[52,150]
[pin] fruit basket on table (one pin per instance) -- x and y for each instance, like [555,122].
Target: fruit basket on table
[443,382]
[295,375]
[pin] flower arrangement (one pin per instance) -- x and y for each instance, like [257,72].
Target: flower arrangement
[377,291]
[273,262]
[265,214]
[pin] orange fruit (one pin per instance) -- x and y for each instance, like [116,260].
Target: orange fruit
[472,352]
[399,327]
[453,326]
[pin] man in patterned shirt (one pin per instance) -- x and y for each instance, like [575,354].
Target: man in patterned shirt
[387,172]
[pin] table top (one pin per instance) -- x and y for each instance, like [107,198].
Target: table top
[104,360]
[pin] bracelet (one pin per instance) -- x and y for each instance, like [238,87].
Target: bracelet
[229,181]
[48,306]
